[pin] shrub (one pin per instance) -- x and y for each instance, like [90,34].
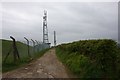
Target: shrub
[99,55]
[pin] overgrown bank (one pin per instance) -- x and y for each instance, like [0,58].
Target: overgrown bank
[91,58]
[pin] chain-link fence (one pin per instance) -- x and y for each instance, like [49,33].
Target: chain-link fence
[21,50]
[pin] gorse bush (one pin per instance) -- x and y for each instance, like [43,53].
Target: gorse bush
[90,58]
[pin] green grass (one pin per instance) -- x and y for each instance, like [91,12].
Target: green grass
[24,58]
[91,58]
[11,66]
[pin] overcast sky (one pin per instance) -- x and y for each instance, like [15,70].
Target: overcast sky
[71,21]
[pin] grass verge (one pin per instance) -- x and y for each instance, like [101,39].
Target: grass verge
[11,66]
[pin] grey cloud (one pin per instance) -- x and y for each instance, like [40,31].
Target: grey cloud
[72,21]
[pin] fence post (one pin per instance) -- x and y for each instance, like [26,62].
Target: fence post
[7,54]
[28,46]
[37,45]
[15,50]
[33,45]
[40,48]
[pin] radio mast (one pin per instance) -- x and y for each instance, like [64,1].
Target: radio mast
[45,30]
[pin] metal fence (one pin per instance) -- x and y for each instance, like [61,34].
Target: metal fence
[12,51]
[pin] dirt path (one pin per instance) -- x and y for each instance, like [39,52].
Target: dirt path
[48,66]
